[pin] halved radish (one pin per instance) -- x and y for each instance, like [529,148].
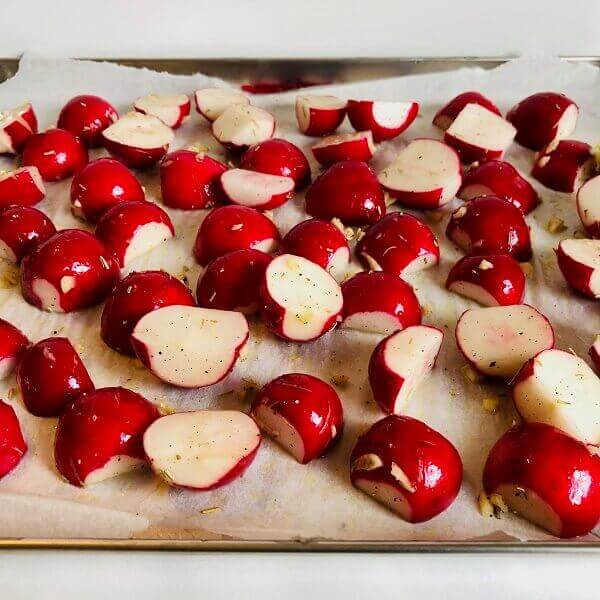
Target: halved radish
[588,206]
[172,109]
[12,344]
[319,115]
[400,363]
[202,450]
[12,443]
[302,413]
[87,117]
[385,120]
[211,103]
[188,346]
[563,166]
[344,146]
[300,300]
[17,125]
[425,174]
[256,190]
[595,353]
[22,228]
[446,115]
[21,187]
[579,262]
[497,340]
[241,126]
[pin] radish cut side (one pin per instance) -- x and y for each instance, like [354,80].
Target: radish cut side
[391,115]
[588,206]
[211,103]
[138,130]
[169,108]
[281,430]
[387,495]
[146,238]
[253,189]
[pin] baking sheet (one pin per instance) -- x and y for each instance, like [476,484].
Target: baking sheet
[277,498]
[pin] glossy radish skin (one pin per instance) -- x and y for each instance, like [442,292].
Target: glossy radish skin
[135,296]
[86,117]
[491,280]
[398,244]
[17,125]
[563,167]
[21,187]
[69,271]
[172,109]
[379,302]
[547,477]
[99,435]
[22,228]
[446,115]
[348,191]
[232,281]
[385,120]
[100,185]
[588,206]
[190,180]
[319,115]
[51,375]
[56,153]
[302,413]
[543,118]
[12,344]
[240,127]
[579,262]
[408,467]
[131,229]
[595,354]
[12,443]
[344,146]
[229,228]
[212,102]
[490,225]
[499,178]
[256,190]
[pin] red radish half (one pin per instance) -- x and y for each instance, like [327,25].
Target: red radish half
[21,229]
[12,444]
[319,115]
[202,450]
[188,346]
[211,103]
[543,119]
[256,190]
[87,117]
[446,115]
[240,127]
[385,120]
[547,477]
[491,280]
[138,140]
[588,206]
[398,244]
[99,435]
[69,271]
[595,353]
[408,467]
[425,174]
[300,300]
[400,363]
[12,345]
[302,413]
[172,109]
[579,262]
[344,146]
[379,302]
[563,167]
[131,229]
[21,187]
[17,125]
[497,340]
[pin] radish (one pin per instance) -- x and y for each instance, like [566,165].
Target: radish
[595,353]
[172,109]
[138,140]
[100,185]
[400,363]
[302,413]
[232,281]
[256,190]
[448,113]
[99,435]
[491,280]
[543,119]
[579,262]
[497,340]
[51,375]
[344,146]
[211,103]
[17,125]
[230,228]
[12,344]
[87,117]
[399,244]
[21,229]
[22,187]
[408,467]
[69,271]
[588,206]
[12,444]
[300,300]
[135,296]
[425,174]
[547,477]
[348,191]
[202,450]
[131,229]
[379,302]
[563,167]
[188,346]
[319,115]
[240,127]
[385,120]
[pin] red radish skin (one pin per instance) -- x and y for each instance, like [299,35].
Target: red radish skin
[17,126]
[135,296]
[588,206]
[21,187]
[22,228]
[56,153]
[491,280]
[348,191]
[302,413]
[230,228]
[385,120]
[543,118]
[256,190]
[99,435]
[595,354]
[499,178]
[212,102]
[344,146]
[69,271]
[13,446]
[51,375]
[319,115]
[100,185]
[12,344]
[232,281]
[446,115]
[579,262]
[86,117]
[172,109]
[240,127]
[547,477]
[490,225]
[408,467]
[379,302]
[398,244]
[564,167]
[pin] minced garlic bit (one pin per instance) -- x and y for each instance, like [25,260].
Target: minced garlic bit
[166,409]
[484,505]
[491,404]
[10,278]
[340,381]
[498,503]
[556,225]
[485,265]
[470,374]
[527,268]
[212,509]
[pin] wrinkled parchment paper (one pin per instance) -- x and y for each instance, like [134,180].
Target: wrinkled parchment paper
[278,498]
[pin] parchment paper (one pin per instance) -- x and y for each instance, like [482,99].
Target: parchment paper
[278,498]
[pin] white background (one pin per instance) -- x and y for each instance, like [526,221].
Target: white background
[307,28]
